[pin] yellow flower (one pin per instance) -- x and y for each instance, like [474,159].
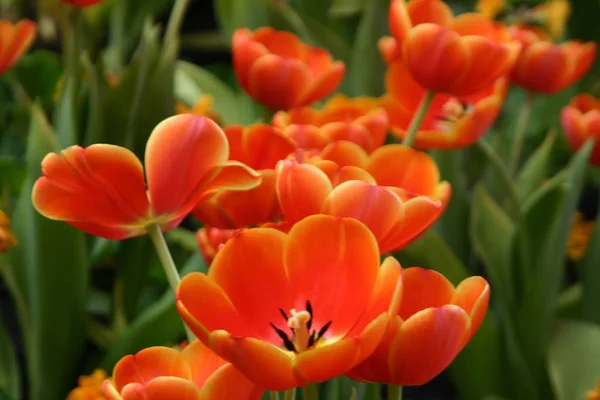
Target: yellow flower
[7,239]
[579,238]
[490,8]
[90,387]
[554,15]
[203,108]
[595,393]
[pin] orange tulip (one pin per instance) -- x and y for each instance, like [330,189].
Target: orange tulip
[457,55]
[433,325]
[281,72]
[388,196]
[210,240]
[164,373]
[450,122]
[15,40]
[261,147]
[360,120]
[101,189]
[82,3]
[285,316]
[548,67]
[581,122]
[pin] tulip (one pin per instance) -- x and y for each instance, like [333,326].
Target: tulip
[7,239]
[434,323]
[258,146]
[450,122]
[547,67]
[581,122]
[360,120]
[397,206]
[278,70]
[82,3]
[15,40]
[194,373]
[210,240]
[292,309]
[456,55]
[101,189]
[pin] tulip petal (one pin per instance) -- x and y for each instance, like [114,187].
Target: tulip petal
[423,288]
[201,361]
[249,269]
[277,82]
[336,131]
[473,296]
[306,136]
[245,52]
[433,11]
[301,189]
[20,37]
[337,275]
[229,383]
[389,49]
[101,184]
[232,176]
[262,146]
[110,392]
[375,206]
[345,153]
[541,68]
[250,356]
[426,344]
[325,84]
[162,388]
[184,154]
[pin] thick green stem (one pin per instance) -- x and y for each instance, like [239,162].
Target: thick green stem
[168,264]
[311,392]
[289,394]
[176,20]
[417,120]
[273,395]
[394,392]
[519,134]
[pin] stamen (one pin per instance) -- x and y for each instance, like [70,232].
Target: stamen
[299,323]
[286,340]
[310,311]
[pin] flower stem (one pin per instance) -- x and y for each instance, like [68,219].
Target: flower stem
[175,21]
[289,394]
[168,264]
[417,120]
[273,395]
[520,131]
[311,392]
[394,392]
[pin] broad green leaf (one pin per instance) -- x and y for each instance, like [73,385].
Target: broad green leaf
[347,7]
[430,251]
[12,173]
[10,372]
[39,72]
[51,267]
[536,168]
[569,302]
[234,14]
[590,267]
[159,324]
[318,9]
[492,237]
[134,258]
[366,69]
[574,359]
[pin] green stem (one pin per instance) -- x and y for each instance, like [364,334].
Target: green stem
[519,134]
[175,21]
[290,394]
[372,391]
[417,120]
[273,395]
[311,392]
[394,392]
[168,264]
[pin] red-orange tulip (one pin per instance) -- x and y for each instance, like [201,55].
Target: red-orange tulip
[82,3]
[450,122]
[548,67]
[457,55]
[258,146]
[101,189]
[281,72]
[163,373]
[210,240]
[397,206]
[433,325]
[360,120]
[581,122]
[286,316]
[15,40]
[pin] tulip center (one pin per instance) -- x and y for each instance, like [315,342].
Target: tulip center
[302,337]
[452,111]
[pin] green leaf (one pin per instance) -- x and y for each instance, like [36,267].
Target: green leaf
[492,236]
[12,173]
[234,14]
[39,73]
[366,68]
[590,267]
[134,258]
[568,304]
[159,324]
[536,168]
[347,7]
[574,359]
[10,376]
[51,268]
[430,251]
